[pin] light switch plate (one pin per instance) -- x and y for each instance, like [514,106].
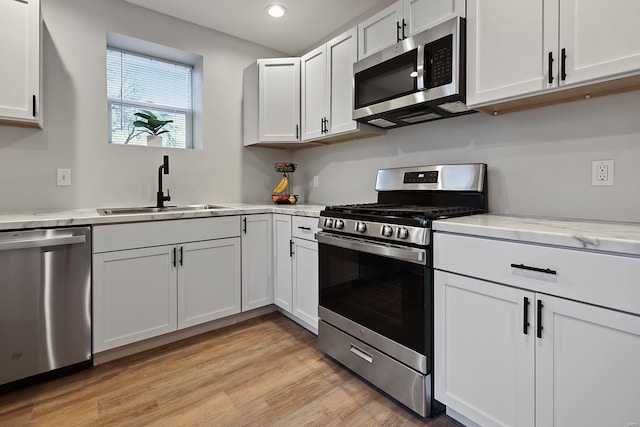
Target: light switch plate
[63,177]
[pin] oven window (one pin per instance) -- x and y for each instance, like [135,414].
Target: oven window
[382,294]
[387,80]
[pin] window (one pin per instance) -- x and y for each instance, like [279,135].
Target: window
[139,83]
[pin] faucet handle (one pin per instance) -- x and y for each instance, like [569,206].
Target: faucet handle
[168,196]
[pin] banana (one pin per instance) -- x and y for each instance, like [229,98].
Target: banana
[284,183]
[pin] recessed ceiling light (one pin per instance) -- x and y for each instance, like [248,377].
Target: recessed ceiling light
[276,10]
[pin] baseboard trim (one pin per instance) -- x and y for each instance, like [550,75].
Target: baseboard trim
[148,344]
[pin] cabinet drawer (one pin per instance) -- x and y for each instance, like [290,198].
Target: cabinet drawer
[304,227]
[596,278]
[155,233]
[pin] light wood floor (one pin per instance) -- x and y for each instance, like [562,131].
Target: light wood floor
[265,371]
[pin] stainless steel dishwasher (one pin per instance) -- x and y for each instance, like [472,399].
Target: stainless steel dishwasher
[45,302]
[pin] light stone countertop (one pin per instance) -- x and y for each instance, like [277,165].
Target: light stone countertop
[17,221]
[603,236]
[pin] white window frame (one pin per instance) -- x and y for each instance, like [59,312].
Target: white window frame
[133,46]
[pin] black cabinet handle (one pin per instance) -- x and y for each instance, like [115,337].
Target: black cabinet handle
[404,25]
[563,65]
[550,67]
[291,248]
[398,39]
[174,257]
[529,268]
[297,132]
[304,228]
[326,125]
[244,227]
[181,255]
[525,323]
[539,315]
[33,106]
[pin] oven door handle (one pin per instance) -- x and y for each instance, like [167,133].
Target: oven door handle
[414,255]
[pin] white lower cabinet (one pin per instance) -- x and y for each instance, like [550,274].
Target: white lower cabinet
[508,356]
[208,281]
[156,288]
[305,281]
[282,271]
[257,276]
[296,268]
[134,296]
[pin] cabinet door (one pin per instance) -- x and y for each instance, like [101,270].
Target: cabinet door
[282,279]
[314,93]
[342,52]
[134,296]
[305,282]
[382,30]
[423,14]
[279,99]
[208,281]
[508,46]
[601,39]
[587,366]
[484,362]
[20,53]
[257,283]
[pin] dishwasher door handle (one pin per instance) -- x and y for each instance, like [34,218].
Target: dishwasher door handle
[6,245]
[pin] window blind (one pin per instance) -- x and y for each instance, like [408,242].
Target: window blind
[137,82]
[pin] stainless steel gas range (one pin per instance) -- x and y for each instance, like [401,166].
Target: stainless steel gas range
[376,277]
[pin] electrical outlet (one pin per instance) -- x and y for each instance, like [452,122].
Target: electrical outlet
[316,181]
[63,177]
[602,173]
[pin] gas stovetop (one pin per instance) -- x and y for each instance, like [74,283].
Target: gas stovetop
[403,224]
[388,210]
[408,200]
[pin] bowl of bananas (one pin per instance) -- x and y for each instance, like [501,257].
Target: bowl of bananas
[281,193]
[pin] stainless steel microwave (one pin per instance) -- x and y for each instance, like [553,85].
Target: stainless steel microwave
[419,79]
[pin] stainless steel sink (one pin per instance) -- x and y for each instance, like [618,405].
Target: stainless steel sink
[152,209]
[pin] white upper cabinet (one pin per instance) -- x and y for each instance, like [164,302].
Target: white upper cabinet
[327,90]
[314,93]
[517,49]
[401,20]
[422,14]
[20,37]
[506,48]
[271,101]
[342,52]
[600,38]
[382,30]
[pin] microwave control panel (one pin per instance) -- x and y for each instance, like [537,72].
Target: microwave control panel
[439,62]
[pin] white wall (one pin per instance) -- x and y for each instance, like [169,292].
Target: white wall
[539,160]
[75,134]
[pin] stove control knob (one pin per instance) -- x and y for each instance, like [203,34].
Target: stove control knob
[402,233]
[361,227]
[386,231]
[328,222]
[339,224]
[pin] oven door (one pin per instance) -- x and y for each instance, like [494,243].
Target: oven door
[380,293]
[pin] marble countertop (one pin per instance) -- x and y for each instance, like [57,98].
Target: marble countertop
[617,237]
[18,220]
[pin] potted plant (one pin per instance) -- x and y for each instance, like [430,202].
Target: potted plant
[149,123]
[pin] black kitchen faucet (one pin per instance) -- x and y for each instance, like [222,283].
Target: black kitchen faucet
[161,198]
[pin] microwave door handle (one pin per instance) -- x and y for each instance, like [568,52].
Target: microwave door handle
[421,67]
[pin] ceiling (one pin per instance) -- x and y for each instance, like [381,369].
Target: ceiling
[306,22]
